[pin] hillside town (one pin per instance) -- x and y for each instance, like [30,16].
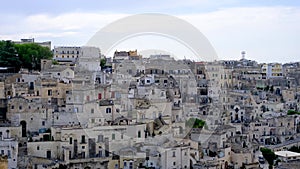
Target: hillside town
[84,110]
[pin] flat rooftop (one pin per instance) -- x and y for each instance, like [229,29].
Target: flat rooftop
[287,154]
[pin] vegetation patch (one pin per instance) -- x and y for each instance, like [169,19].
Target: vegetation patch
[292,112]
[195,123]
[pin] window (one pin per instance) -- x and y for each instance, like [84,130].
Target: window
[31,85]
[99,96]
[70,140]
[38,148]
[48,154]
[92,110]
[112,94]
[43,123]
[100,138]
[174,154]
[12,107]
[174,163]
[113,136]
[83,139]
[49,92]
[139,134]
[108,110]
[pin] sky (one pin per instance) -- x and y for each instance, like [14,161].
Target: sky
[267,30]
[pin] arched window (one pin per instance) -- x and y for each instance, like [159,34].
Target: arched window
[108,110]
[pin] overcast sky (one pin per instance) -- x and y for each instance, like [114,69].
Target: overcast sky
[268,30]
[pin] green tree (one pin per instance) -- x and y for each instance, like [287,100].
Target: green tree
[55,62]
[269,155]
[31,54]
[102,62]
[195,123]
[292,112]
[8,55]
